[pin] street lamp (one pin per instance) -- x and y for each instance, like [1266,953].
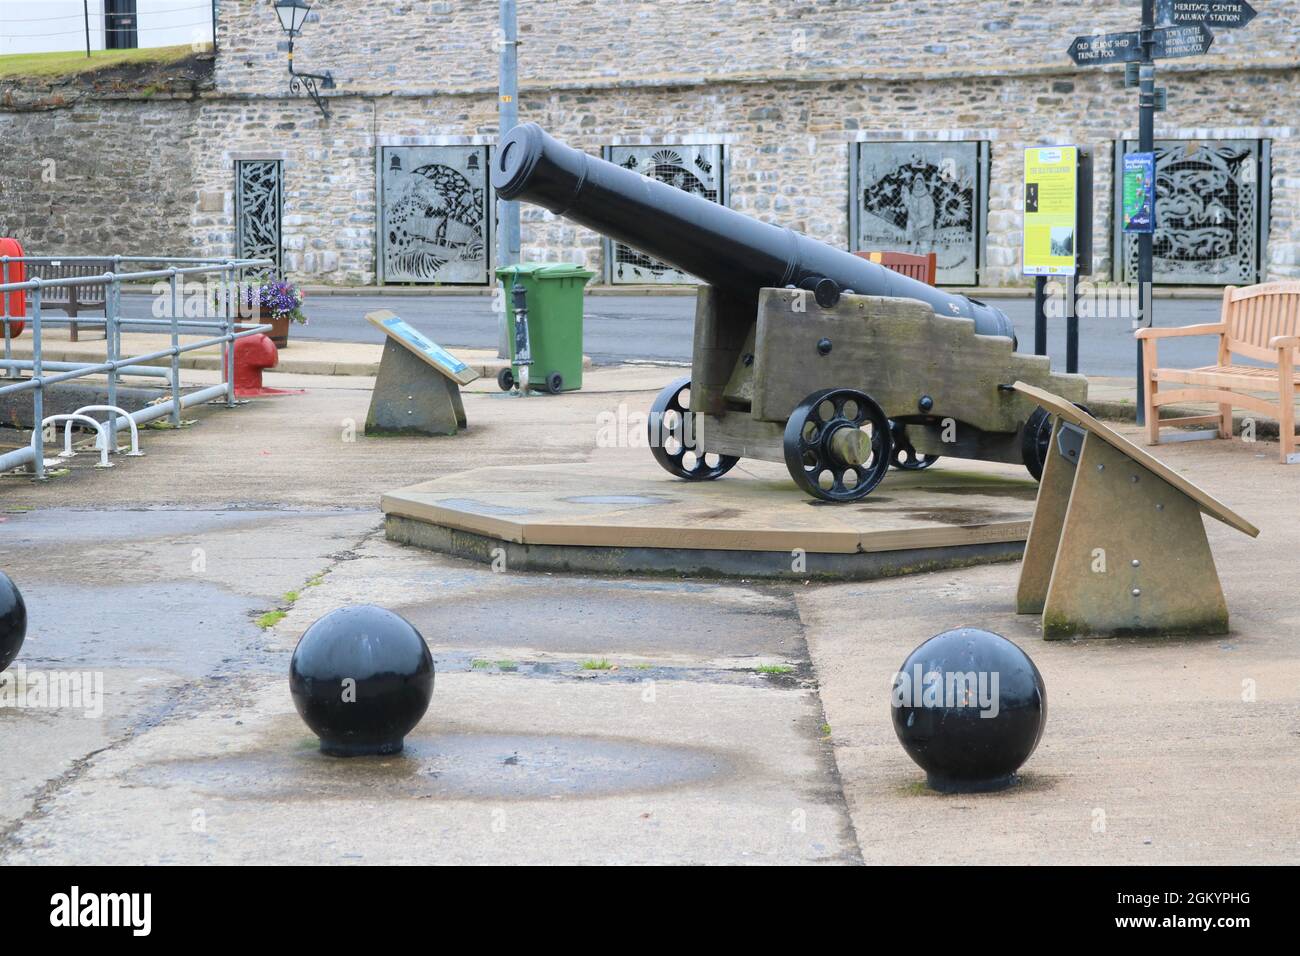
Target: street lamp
[293,14]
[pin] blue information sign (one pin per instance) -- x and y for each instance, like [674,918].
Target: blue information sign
[426,348]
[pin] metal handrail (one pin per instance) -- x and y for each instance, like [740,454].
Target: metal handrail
[231,326]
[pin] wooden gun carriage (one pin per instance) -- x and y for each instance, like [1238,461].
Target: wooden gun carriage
[803,354]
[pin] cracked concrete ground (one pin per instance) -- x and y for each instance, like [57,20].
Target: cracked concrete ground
[155,574]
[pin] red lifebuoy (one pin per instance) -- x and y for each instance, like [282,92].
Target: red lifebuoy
[14,272]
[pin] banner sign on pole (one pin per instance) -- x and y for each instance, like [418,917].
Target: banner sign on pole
[1051,210]
[1140,192]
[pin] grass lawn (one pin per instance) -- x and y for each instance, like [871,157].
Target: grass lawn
[73,62]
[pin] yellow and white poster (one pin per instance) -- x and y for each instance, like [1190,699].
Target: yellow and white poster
[1051,210]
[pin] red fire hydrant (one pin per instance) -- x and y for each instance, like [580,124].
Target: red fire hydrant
[13,272]
[253,354]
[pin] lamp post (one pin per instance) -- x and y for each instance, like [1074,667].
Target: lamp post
[293,14]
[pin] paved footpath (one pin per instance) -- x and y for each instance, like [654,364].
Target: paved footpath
[156,573]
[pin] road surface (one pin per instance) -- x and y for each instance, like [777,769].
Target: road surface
[658,328]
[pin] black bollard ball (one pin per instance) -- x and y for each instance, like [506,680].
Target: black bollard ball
[361,678]
[13,620]
[969,707]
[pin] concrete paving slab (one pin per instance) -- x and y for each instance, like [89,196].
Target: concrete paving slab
[1174,751]
[502,770]
[1155,751]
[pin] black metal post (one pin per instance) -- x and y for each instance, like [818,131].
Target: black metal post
[85,7]
[1040,315]
[1072,321]
[1146,144]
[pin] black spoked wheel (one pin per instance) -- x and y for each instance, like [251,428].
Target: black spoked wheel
[555,383]
[905,456]
[1036,440]
[837,444]
[673,437]
[506,379]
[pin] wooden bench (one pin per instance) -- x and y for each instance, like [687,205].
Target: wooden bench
[71,300]
[1260,322]
[923,268]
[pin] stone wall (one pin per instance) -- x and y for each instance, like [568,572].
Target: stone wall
[100,176]
[448,45]
[158,174]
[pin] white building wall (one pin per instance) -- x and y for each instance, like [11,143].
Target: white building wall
[50,26]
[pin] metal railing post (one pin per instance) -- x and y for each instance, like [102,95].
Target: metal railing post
[176,356]
[38,393]
[112,305]
[228,347]
[4,304]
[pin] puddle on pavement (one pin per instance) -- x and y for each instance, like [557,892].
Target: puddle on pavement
[448,767]
[965,516]
[582,616]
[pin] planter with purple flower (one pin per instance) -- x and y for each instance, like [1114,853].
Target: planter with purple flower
[277,303]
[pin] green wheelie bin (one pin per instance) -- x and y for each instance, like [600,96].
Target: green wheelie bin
[553,294]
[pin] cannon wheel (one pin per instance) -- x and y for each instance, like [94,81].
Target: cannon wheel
[837,444]
[905,456]
[1036,439]
[670,434]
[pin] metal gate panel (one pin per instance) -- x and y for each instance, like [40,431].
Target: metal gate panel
[259,209]
[695,168]
[1209,206]
[921,198]
[435,215]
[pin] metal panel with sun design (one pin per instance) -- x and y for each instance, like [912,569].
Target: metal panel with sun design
[696,168]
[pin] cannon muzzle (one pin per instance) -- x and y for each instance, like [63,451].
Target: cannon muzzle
[725,248]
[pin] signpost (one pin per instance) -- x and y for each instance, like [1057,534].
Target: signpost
[1184,30]
[1171,41]
[1219,14]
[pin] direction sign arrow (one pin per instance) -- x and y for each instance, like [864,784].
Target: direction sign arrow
[1106,48]
[1218,14]
[1190,40]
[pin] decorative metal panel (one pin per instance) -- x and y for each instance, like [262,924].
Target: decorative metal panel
[1208,213]
[259,205]
[697,169]
[435,214]
[922,198]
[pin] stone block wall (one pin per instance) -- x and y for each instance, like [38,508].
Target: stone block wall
[788,87]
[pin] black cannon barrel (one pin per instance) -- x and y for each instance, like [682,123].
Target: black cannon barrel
[725,248]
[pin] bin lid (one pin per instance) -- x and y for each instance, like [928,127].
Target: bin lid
[546,270]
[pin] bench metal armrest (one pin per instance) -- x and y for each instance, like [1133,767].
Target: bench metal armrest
[1213,328]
